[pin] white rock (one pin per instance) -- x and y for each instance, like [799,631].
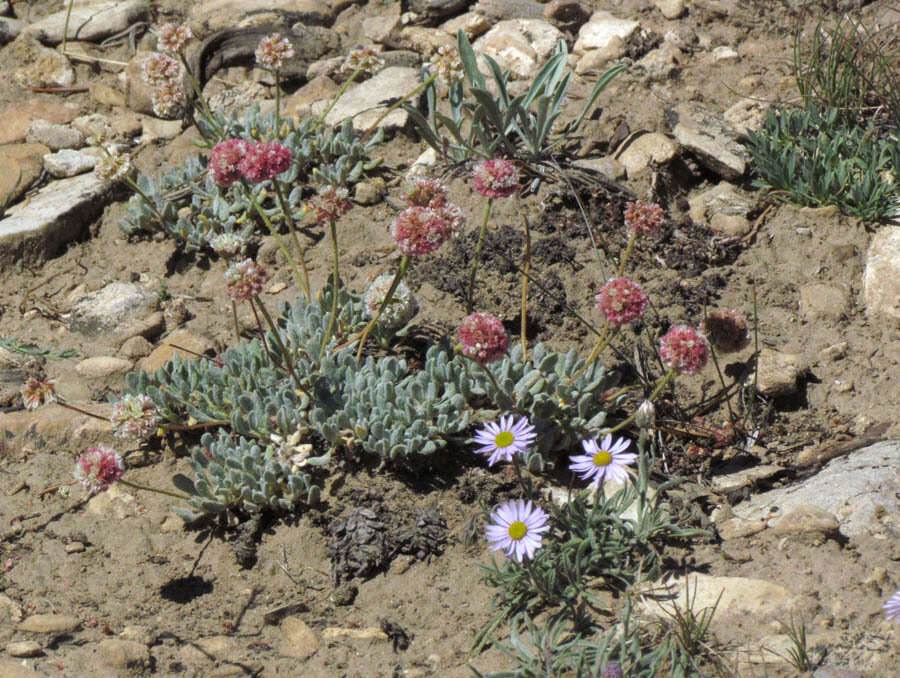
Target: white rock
[57,214]
[24,648]
[364,103]
[724,53]
[881,280]
[102,366]
[68,163]
[219,14]
[53,135]
[297,639]
[90,22]
[777,373]
[600,29]
[518,45]
[111,308]
[703,133]
[671,9]
[49,623]
[641,151]
[747,115]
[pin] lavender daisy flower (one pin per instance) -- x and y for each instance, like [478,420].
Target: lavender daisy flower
[504,439]
[606,461]
[892,608]
[517,528]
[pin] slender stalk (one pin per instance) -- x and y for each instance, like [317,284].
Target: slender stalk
[66,25]
[487,215]
[627,253]
[234,318]
[139,486]
[361,337]
[525,271]
[292,227]
[137,189]
[602,342]
[81,411]
[277,105]
[205,110]
[277,337]
[396,105]
[715,358]
[663,382]
[489,374]
[262,331]
[334,101]
[335,276]
[298,277]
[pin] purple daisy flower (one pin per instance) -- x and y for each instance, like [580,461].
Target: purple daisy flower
[504,439]
[606,461]
[892,608]
[517,528]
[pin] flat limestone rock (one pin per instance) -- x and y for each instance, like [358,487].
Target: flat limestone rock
[89,23]
[59,213]
[366,102]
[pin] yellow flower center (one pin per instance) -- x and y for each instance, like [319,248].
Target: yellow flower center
[504,439]
[602,458]
[517,530]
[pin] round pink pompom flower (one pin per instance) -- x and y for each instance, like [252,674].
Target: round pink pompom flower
[245,279]
[483,338]
[97,468]
[420,230]
[644,219]
[224,160]
[497,178]
[264,160]
[621,301]
[726,330]
[684,349]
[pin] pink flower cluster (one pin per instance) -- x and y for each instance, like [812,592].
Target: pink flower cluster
[420,230]
[432,194]
[642,218]
[134,416]
[364,60]
[496,178]
[273,51]
[172,37]
[36,393]
[330,204]
[483,338]
[164,74]
[447,63]
[245,279]
[684,349]
[97,468]
[621,301]
[231,159]
[726,330]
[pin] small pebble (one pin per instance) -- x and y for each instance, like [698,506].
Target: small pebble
[24,648]
[74,547]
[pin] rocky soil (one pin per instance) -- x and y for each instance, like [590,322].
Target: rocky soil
[801,500]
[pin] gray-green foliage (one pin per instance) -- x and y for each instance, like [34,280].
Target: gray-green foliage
[483,124]
[186,203]
[380,406]
[812,158]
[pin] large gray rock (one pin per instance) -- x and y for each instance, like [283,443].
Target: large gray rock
[881,281]
[90,22]
[642,151]
[56,215]
[22,164]
[38,66]
[859,489]
[365,102]
[112,308]
[704,134]
[69,163]
[519,45]
[53,135]
[10,29]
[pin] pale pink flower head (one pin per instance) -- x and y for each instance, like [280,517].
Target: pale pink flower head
[159,69]
[245,279]
[112,166]
[36,393]
[172,37]
[168,99]
[331,203]
[264,160]
[427,193]
[726,330]
[273,50]
[134,416]
[225,159]
[642,218]
[496,178]
[447,63]
[97,468]
[420,230]
[362,59]
[621,301]
[483,338]
[684,349]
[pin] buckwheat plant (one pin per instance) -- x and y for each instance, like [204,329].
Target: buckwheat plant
[271,53]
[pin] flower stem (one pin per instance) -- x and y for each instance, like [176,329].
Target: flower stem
[234,317]
[401,270]
[602,342]
[277,106]
[292,227]
[335,276]
[663,382]
[627,254]
[525,271]
[334,101]
[62,403]
[298,278]
[395,106]
[487,215]
[139,486]
[277,337]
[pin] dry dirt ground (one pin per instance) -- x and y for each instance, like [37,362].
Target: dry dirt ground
[182,593]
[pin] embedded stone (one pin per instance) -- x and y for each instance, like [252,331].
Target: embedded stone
[102,367]
[216,15]
[824,300]
[111,308]
[89,22]
[39,65]
[706,136]
[122,654]
[472,24]
[642,150]
[68,163]
[183,342]
[671,9]
[805,519]
[519,45]
[365,103]
[600,29]
[10,29]
[24,648]
[777,373]
[881,280]
[297,639]
[49,623]
[22,165]
[723,207]
[15,119]
[53,135]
